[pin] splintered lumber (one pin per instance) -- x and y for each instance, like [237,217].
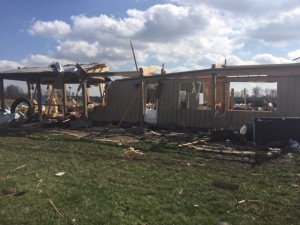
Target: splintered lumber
[228,150]
[99,68]
[215,149]
[56,209]
[225,185]
[18,168]
[188,144]
[149,71]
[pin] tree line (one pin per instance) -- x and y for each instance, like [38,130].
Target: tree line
[259,98]
[13,92]
[258,92]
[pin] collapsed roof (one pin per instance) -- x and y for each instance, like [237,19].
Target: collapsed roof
[94,73]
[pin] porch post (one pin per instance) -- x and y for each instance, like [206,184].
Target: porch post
[29,92]
[143,97]
[84,96]
[2,95]
[39,99]
[64,100]
[213,95]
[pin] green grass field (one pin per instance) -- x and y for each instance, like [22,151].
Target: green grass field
[165,185]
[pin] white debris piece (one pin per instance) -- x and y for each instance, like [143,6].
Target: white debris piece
[59,174]
[57,66]
[5,117]
[243,130]
[131,152]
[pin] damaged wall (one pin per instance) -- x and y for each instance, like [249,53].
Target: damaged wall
[122,92]
[169,111]
[119,98]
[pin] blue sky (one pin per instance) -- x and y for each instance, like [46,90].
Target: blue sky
[182,34]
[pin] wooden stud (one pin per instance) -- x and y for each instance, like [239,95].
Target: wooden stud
[2,95]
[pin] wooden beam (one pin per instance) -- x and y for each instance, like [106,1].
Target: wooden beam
[143,106]
[29,90]
[213,93]
[232,98]
[39,99]
[2,95]
[84,96]
[64,100]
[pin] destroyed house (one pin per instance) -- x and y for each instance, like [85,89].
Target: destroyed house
[219,97]
[56,78]
[204,98]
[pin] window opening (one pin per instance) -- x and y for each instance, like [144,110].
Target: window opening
[255,96]
[192,95]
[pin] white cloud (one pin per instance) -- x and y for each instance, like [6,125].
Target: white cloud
[234,60]
[71,49]
[246,8]
[294,55]
[37,60]
[188,34]
[159,32]
[43,60]
[169,23]
[103,24]
[9,65]
[269,59]
[275,25]
[53,29]
[280,30]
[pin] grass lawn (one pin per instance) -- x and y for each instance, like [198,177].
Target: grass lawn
[165,185]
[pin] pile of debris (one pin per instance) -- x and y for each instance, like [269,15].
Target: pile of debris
[220,144]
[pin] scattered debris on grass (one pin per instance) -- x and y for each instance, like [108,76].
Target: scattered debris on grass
[244,202]
[59,174]
[18,168]
[295,185]
[224,223]
[131,152]
[12,191]
[39,180]
[221,144]
[225,185]
[61,215]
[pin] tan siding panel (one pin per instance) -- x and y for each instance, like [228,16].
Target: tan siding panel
[121,93]
[296,96]
[283,86]
[292,97]
[133,90]
[173,100]
[162,103]
[167,105]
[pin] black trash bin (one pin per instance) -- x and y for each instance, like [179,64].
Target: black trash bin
[267,130]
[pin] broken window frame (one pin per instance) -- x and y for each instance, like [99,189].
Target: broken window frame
[186,95]
[152,95]
[260,103]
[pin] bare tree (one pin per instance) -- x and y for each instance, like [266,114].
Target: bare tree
[267,92]
[13,92]
[257,91]
[237,94]
[273,93]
